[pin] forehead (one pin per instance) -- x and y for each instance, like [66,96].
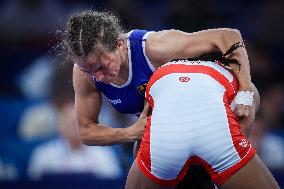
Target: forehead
[92,58]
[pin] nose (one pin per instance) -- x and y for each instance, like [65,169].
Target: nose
[99,76]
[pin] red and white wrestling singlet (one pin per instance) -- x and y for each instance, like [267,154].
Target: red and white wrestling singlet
[192,123]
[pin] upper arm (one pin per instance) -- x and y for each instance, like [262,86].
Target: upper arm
[87,99]
[164,46]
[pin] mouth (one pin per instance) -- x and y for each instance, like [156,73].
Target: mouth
[108,80]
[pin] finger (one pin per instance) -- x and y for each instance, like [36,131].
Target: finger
[146,108]
[242,111]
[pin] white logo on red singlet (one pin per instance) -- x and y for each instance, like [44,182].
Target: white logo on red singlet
[244,143]
[184,79]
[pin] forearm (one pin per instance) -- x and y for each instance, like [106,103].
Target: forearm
[99,135]
[230,37]
[243,71]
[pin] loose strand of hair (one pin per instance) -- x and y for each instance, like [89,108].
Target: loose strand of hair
[80,40]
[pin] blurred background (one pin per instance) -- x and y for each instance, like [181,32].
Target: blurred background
[39,146]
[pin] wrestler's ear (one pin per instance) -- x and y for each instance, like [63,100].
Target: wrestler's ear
[120,42]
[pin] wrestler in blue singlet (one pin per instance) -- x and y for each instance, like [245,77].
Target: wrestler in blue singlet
[129,97]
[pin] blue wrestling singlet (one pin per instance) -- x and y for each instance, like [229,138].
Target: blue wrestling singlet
[129,97]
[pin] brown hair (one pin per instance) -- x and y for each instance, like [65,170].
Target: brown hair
[87,29]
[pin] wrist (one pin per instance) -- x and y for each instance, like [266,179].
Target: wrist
[242,98]
[130,134]
[246,87]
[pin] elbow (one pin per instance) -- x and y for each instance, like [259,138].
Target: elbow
[85,135]
[225,38]
[236,34]
[230,35]
[229,31]
[85,140]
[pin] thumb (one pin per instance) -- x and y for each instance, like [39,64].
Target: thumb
[146,109]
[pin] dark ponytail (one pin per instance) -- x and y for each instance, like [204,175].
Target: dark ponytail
[219,57]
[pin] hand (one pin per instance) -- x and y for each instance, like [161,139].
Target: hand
[144,115]
[246,120]
[245,115]
[242,104]
[244,107]
[242,111]
[137,128]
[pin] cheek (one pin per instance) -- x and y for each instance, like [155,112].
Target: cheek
[115,66]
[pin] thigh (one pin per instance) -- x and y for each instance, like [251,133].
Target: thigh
[254,175]
[137,180]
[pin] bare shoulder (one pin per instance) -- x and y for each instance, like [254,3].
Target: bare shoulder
[155,39]
[82,82]
[157,44]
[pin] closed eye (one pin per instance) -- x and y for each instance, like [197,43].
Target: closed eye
[91,70]
[99,68]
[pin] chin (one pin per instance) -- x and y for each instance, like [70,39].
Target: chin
[108,81]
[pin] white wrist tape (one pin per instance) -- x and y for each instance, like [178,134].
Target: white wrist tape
[244,98]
